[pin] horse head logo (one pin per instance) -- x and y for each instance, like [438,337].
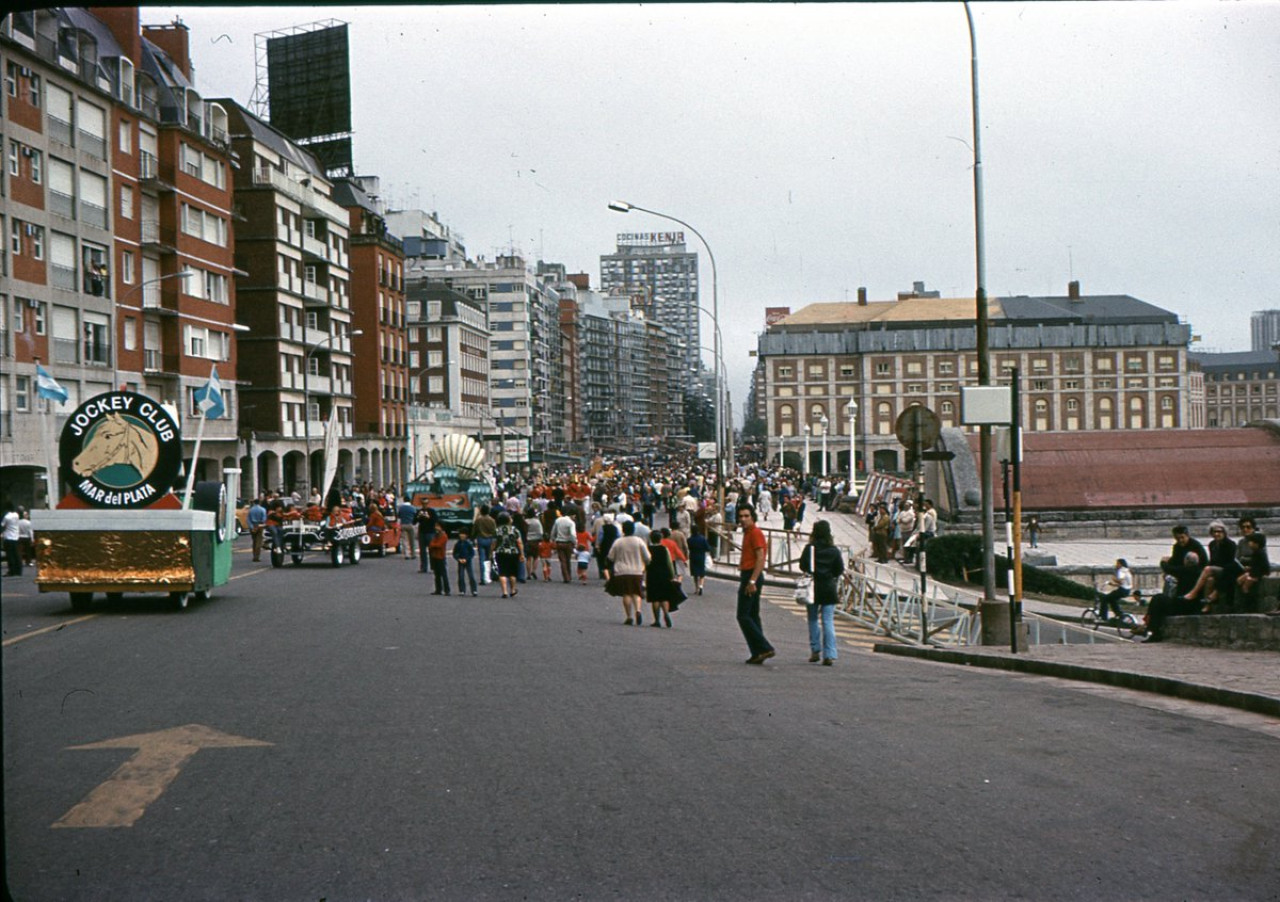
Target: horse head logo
[117,441]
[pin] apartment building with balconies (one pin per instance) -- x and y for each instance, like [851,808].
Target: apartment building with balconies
[294,298]
[118,252]
[378,314]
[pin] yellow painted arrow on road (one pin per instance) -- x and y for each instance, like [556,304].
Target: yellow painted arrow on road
[125,795]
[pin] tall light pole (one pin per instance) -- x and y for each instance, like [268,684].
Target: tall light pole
[825,423]
[115,351]
[306,397]
[983,349]
[804,464]
[852,409]
[624,207]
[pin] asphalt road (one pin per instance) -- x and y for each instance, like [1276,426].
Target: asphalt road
[411,747]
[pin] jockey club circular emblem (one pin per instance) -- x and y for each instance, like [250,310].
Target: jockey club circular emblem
[120,449]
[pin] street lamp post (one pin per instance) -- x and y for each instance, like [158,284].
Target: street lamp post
[825,423]
[804,464]
[852,409]
[306,398]
[624,207]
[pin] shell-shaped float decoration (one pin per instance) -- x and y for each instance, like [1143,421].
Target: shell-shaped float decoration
[461,452]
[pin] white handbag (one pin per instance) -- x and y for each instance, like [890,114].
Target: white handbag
[804,589]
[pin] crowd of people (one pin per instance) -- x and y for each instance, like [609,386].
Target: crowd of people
[644,532]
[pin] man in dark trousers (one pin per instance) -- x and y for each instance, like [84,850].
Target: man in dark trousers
[755,552]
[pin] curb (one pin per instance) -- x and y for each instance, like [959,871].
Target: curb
[1143,682]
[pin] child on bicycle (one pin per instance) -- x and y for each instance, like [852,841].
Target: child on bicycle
[1119,586]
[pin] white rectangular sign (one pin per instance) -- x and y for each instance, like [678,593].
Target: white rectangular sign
[706,450]
[986,405]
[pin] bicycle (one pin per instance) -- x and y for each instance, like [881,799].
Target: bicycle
[1126,624]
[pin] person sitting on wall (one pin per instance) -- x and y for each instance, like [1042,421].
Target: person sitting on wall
[1183,567]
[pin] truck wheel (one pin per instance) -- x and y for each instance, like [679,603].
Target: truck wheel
[277,557]
[297,558]
[354,554]
[180,600]
[335,555]
[81,601]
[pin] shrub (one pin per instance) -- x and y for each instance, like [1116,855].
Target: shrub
[950,557]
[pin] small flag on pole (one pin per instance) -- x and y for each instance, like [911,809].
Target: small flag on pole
[209,398]
[47,387]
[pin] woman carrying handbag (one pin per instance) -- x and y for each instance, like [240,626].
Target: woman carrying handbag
[821,559]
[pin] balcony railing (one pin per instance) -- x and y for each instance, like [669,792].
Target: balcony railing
[315,292]
[93,215]
[60,130]
[97,353]
[148,166]
[62,204]
[66,350]
[152,361]
[94,145]
[63,277]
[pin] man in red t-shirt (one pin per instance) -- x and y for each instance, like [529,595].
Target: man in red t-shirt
[755,551]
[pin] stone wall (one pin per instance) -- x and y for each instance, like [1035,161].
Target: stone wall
[1243,632]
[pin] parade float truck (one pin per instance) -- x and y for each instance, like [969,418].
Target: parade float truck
[121,529]
[458,486]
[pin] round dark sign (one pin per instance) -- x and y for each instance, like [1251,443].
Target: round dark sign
[120,449]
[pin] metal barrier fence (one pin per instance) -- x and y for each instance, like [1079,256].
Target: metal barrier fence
[885,599]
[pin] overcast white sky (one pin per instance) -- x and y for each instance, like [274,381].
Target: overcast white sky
[1132,146]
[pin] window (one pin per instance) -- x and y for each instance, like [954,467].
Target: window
[34,90]
[15,237]
[11,79]
[22,394]
[914,368]
[197,341]
[1039,384]
[18,306]
[37,166]
[126,202]
[126,267]
[97,345]
[13,158]
[37,241]
[41,311]
[130,333]
[816,371]
[846,371]
[125,138]
[784,372]
[884,369]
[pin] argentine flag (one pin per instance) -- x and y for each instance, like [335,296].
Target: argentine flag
[47,387]
[209,398]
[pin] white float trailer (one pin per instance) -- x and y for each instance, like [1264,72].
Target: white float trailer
[300,538]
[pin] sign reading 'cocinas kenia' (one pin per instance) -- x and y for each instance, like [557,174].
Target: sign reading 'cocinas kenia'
[121,449]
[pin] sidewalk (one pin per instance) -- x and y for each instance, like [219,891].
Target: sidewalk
[1238,679]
